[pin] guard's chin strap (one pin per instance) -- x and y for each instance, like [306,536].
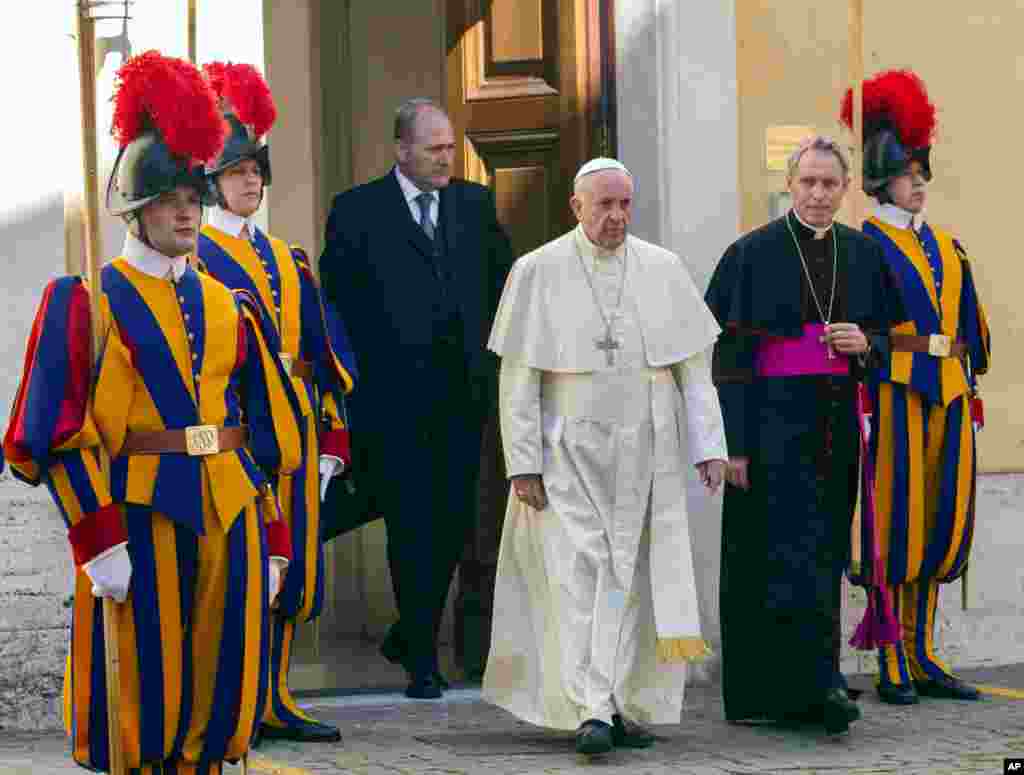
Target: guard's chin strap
[135,225]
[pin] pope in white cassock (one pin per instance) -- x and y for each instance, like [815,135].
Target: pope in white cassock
[606,398]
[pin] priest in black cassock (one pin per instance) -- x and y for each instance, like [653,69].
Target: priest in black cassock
[804,304]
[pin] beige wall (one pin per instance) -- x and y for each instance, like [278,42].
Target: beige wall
[791,65]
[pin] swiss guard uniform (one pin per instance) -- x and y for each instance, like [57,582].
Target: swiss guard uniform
[313,348]
[192,534]
[925,396]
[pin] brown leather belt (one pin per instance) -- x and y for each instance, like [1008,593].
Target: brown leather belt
[297,368]
[194,440]
[938,345]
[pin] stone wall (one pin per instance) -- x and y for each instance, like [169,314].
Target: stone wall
[35,595]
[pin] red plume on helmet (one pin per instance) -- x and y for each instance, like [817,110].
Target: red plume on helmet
[169,95]
[244,92]
[897,99]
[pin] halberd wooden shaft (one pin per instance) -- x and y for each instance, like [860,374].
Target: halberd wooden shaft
[93,257]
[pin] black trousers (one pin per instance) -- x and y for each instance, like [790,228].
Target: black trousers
[430,512]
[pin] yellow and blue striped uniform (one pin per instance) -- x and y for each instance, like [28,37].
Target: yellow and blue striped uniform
[924,447]
[282,280]
[194,631]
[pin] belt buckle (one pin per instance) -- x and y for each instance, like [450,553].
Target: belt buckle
[202,440]
[287,360]
[940,345]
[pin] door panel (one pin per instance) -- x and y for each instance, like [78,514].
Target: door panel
[523,92]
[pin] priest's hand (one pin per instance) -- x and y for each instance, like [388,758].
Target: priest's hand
[712,472]
[530,490]
[736,472]
[846,338]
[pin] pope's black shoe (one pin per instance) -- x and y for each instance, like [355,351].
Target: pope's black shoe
[424,687]
[629,734]
[947,688]
[594,737]
[302,732]
[838,710]
[898,694]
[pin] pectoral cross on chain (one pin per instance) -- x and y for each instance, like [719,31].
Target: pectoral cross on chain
[609,346]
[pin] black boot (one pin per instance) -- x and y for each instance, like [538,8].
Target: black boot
[947,688]
[302,732]
[898,694]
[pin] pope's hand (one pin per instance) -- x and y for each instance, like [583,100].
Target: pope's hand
[530,490]
[330,466]
[736,472]
[111,573]
[712,472]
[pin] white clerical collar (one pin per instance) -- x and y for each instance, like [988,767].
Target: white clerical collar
[818,231]
[596,252]
[230,223]
[151,261]
[895,216]
[410,190]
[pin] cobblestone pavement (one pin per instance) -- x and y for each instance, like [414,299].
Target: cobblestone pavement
[389,735]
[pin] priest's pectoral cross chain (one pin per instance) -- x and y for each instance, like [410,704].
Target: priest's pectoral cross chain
[608,345]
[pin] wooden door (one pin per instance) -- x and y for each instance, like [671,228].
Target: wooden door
[524,92]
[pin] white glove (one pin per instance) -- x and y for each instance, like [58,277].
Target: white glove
[278,565]
[330,466]
[110,573]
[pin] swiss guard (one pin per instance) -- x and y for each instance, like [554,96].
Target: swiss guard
[925,395]
[312,347]
[195,413]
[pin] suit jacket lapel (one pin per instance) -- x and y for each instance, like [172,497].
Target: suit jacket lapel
[413,230]
[447,216]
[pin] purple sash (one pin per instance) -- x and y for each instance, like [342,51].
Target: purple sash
[780,356]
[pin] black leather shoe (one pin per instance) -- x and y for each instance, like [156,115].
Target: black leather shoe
[305,732]
[594,737]
[424,688]
[947,688]
[629,734]
[838,710]
[899,694]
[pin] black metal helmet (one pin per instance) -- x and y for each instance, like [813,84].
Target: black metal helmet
[145,169]
[167,124]
[240,145]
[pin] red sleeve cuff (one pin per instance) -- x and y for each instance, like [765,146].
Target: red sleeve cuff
[279,540]
[336,442]
[96,532]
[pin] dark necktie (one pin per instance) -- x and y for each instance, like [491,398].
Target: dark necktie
[424,200]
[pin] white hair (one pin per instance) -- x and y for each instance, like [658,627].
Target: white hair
[822,144]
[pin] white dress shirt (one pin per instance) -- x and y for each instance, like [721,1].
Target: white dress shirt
[411,192]
[229,223]
[896,216]
[151,261]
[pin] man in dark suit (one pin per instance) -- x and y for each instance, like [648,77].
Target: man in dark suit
[415,261]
